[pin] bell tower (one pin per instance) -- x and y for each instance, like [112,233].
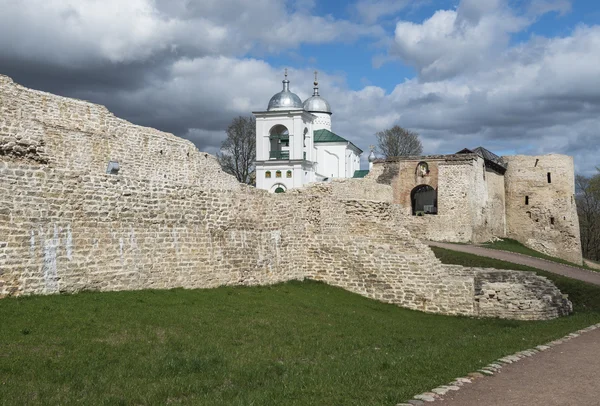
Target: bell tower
[284,143]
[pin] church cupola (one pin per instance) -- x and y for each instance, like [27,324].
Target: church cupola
[319,107]
[315,103]
[285,100]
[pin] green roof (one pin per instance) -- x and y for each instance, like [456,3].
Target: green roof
[327,136]
[360,173]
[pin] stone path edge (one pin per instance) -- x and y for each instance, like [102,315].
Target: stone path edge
[490,369]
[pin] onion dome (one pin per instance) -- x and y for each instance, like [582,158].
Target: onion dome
[317,104]
[372,156]
[285,100]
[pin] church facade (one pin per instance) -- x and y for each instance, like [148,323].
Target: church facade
[296,146]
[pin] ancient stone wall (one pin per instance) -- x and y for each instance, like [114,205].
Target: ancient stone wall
[81,136]
[470,196]
[540,204]
[67,226]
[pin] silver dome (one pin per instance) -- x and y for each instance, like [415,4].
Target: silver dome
[372,157]
[285,100]
[315,103]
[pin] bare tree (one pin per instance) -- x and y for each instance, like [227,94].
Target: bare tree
[238,151]
[588,208]
[398,141]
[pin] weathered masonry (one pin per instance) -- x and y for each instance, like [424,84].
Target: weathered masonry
[473,196]
[91,202]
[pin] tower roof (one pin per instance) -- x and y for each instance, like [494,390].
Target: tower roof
[315,103]
[285,100]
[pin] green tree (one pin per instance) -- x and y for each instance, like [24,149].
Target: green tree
[238,151]
[588,209]
[398,141]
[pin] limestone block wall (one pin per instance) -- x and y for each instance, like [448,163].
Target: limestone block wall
[470,197]
[81,136]
[540,204]
[494,221]
[72,227]
[523,297]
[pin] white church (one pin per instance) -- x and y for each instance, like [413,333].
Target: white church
[295,144]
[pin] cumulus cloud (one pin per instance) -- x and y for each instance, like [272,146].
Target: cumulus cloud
[83,32]
[537,99]
[456,41]
[538,7]
[474,87]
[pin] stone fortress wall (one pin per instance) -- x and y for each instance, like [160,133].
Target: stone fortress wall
[174,219]
[540,204]
[471,206]
[532,202]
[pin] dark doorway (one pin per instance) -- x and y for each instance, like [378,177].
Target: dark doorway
[423,200]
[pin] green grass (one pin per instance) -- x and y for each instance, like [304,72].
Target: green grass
[507,244]
[299,343]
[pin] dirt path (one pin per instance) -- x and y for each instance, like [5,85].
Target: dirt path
[554,267]
[564,375]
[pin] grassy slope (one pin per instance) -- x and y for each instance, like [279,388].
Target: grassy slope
[585,297]
[507,244]
[298,343]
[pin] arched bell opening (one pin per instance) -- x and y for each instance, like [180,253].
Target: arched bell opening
[279,137]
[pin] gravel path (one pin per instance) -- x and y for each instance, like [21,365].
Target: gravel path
[554,267]
[564,375]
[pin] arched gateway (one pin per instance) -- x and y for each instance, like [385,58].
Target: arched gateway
[423,200]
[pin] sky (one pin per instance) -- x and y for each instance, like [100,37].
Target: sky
[514,76]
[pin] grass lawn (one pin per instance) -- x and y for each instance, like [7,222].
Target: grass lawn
[299,343]
[507,244]
[585,296]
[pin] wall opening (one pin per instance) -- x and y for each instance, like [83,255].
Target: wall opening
[552,220]
[423,200]
[113,168]
[280,190]
[549,176]
[422,169]
[527,200]
[279,138]
[529,214]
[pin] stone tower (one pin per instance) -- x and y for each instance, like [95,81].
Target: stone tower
[540,204]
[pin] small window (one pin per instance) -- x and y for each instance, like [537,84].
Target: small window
[552,220]
[268,174]
[549,177]
[288,174]
[278,174]
[527,200]
[280,190]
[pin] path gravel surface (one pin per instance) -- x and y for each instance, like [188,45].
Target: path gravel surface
[554,267]
[567,374]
